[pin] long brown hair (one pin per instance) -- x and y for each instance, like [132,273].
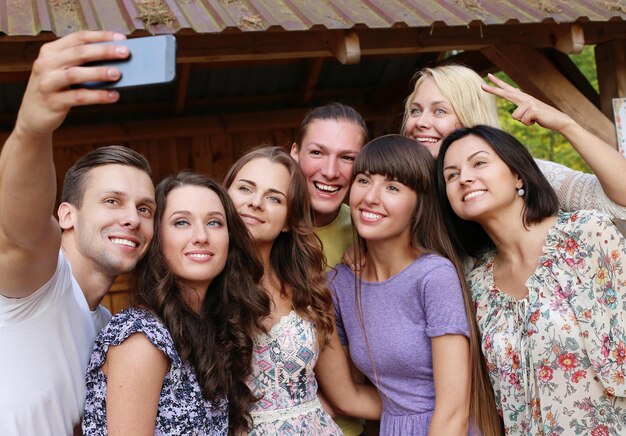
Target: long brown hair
[411,164]
[296,256]
[217,341]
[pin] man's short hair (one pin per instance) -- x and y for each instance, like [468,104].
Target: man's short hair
[73,185]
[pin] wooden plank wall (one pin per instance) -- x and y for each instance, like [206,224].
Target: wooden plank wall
[211,154]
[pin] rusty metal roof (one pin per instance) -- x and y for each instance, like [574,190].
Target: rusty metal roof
[31,17]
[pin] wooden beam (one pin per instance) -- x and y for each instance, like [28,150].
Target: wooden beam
[568,68]
[312,74]
[162,129]
[569,38]
[162,109]
[17,54]
[197,66]
[611,68]
[536,75]
[476,60]
[82,114]
[171,127]
[182,85]
[15,77]
[345,46]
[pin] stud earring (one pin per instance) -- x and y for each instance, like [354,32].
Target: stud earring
[521,192]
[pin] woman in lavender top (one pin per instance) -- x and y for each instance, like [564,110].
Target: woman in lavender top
[404,315]
[178,362]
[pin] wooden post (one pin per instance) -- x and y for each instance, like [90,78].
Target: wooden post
[611,67]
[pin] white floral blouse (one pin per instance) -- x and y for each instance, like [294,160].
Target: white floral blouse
[557,358]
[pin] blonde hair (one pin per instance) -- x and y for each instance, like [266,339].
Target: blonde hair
[461,87]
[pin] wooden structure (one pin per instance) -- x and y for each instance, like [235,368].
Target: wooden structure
[249,69]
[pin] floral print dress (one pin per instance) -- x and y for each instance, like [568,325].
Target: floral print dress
[557,358]
[182,409]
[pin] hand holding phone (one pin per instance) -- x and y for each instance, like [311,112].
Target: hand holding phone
[152,61]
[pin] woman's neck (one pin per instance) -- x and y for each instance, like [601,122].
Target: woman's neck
[519,250]
[512,239]
[385,259]
[265,250]
[280,296]
[270,281]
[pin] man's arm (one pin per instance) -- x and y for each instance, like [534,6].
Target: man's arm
[29,235]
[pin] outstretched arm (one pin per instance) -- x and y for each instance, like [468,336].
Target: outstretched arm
[29,236]
[335,378]
[606,162]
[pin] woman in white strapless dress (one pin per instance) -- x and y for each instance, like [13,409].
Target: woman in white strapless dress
[270,194]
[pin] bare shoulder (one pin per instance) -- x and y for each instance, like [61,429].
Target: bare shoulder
[136,356]
[137,345]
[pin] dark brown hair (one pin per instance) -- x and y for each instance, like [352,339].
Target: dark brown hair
[75,178]
[331,111]
[410,163]
[296,256]
[217,341]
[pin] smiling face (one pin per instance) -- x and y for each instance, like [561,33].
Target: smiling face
[194,235]
[326,156]
[259,192]
[431,117]
[382,209]
[479,185]
[113,227]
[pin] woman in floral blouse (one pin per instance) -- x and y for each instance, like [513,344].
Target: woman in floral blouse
[177,362]
[549,289]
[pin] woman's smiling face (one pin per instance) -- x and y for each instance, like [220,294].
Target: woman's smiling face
[479,183]
[431,117]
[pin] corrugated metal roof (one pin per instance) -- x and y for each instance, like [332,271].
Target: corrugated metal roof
[30,17]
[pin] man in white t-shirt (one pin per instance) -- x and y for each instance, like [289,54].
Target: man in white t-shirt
[53,274]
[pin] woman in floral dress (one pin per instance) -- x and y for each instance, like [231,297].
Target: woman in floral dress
[301,342]
[177,363]
[549,289]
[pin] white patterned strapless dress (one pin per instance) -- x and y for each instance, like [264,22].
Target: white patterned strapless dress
[282,375]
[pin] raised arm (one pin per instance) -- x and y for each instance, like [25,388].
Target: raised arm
[335,378]
[606,162]
[577,190]
[29,235]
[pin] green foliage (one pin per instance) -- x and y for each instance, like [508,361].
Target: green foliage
[543,143]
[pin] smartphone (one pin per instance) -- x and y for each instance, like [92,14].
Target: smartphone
[152,61]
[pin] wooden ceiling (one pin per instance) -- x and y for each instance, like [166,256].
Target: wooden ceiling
[325,38]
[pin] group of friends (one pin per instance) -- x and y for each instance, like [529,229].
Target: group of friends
[440,280]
